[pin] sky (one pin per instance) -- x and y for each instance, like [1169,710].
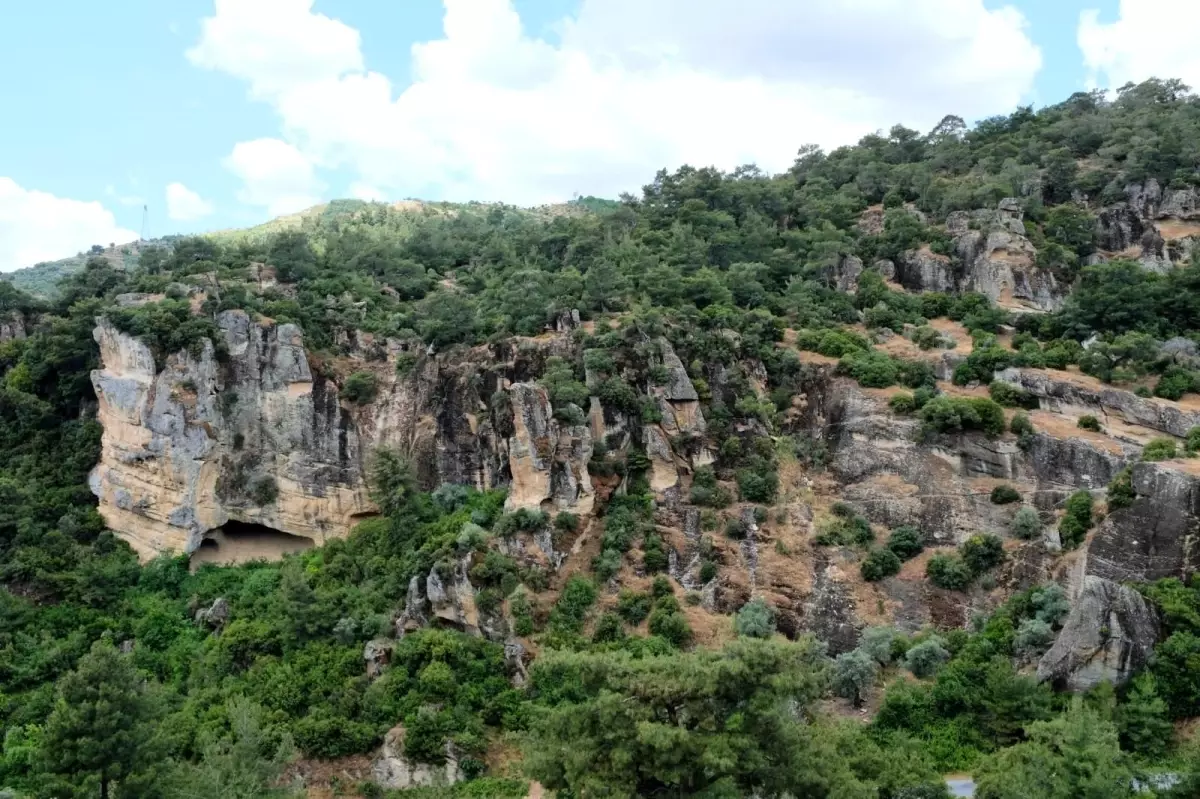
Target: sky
[214,114]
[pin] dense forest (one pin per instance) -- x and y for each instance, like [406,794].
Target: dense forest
[117,680]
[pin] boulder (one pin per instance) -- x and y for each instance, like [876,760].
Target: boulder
[393,770]
[378,654]
[215,616]
[1108,636]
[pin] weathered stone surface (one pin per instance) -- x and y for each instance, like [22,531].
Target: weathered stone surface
[1118,228]
[197,444]
[215,615]
[548,460]
[1109,635]
[12,326]
[393,770]
[378,654]
[924,270]
[1157,535]
[1063,395]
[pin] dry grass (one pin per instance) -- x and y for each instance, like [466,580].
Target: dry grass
[1174,229]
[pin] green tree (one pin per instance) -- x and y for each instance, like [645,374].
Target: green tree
[101,731]
[756,619]
[245,764]
[1026,524]
[708,723]
[1142,720]
[1075,755]
[854,673]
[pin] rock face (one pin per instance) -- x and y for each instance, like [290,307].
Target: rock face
[257,440]
[1063,393]
[1109,635]
[991,256]
[548,460]
[1157,535]
[392,770]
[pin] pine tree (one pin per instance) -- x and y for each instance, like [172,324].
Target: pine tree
[100,732]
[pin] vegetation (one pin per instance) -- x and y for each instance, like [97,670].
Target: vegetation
[109,683]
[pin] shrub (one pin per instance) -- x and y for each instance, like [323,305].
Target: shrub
[1021,425]
[1120,490]
[955,414]
[633,606]
[758,482]
[1011,396]
[264,491]
[878,642]
[1033,637]
[1088,422]
[1174,383]
[853,675]
[1026,524]
[1005,495]
[925,658]
[948,571]
[853,530]
[1077,521]
[902,403]
[661,587]
[670,624]
[982,552]
[708,571]
[926,337]
[654,556]
[907,542]
[566,522]
[831,343]
[360,388]
[706,492]
[756,619]
[735,528]
[1160,449]
[879,564]
[1192,443]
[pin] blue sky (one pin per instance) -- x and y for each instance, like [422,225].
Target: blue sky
[110,103]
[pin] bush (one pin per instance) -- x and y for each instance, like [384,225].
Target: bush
[1077,521]
[1011,396]
[670,624]
[1120,490]
[566,522]
[360,388]
[902,404]
[1088,422]
[1174,383]
[982,552]
[1033,637]
[756,619]
[1192,443]
[907,542]
[1026,524]
[853,675]
[758,482]
[925,658]
[633,606]
[878,642]
[948,571]
[852,530]
[956,414]
[264,491]
[1160,449]
[1005,495]
[879,564]
[926,337]
[1021,425]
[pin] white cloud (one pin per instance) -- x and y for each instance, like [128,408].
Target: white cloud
[185,205]
[275,44]
[365,191]
[124,199]
[36,226]
[633,86]
[274,175]
[1149,39]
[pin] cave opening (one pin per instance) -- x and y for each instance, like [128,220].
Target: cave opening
[243,542]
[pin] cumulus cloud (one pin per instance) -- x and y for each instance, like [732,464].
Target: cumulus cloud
[632,86]
[274,175]
[1149,39]
[37,226]
[185,205]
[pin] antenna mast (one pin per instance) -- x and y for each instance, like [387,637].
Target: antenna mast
[145,220]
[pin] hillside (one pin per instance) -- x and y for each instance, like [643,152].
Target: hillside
[826,484]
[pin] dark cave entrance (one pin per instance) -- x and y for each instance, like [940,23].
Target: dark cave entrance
[242,542]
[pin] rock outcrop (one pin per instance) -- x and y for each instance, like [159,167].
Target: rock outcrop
[1109,635]
[1070,395]
[1157,535]
[393,770]
[548,460]
[259,439]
